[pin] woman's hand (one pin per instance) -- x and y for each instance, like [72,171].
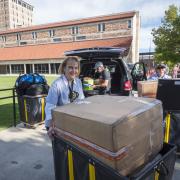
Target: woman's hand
[51,133]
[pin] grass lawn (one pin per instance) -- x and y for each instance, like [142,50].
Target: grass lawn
[6,105]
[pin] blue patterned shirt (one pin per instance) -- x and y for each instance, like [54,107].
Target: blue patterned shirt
[156,77]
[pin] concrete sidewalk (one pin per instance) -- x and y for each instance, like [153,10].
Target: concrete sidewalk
[26,154]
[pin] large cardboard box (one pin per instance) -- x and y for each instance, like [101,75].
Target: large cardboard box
[147,88]
[123,132]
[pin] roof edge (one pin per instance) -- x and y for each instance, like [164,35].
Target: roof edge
[72,22]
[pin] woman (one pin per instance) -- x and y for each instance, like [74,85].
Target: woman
[65,89]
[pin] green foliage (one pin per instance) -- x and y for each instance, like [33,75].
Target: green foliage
[167,37]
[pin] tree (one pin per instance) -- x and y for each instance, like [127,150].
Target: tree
[167,37]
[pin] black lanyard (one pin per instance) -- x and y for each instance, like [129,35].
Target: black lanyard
[72,94]
[71,90]
[71,86]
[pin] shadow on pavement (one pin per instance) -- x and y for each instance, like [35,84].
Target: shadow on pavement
[25,154]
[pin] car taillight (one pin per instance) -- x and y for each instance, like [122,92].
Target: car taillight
[127,85]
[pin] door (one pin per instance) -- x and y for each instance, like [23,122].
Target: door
[138,73]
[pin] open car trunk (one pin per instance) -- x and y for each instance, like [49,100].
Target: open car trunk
[116,72]
[111,57]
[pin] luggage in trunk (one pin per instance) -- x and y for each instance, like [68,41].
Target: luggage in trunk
[123,132]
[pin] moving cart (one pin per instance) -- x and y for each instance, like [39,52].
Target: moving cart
[168,93]
[71,163]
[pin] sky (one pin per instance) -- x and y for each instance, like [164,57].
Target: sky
[151,13]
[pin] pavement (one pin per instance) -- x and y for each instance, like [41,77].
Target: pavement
[26,154]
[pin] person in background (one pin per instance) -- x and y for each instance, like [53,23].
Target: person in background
[160,73]
[151,72]
[65,89]
[103,78]
[175,71]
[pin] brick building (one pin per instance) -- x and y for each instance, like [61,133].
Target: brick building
[41,48]
[14,14]
[147,58]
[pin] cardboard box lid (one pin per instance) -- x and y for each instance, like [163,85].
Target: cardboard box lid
[107,109]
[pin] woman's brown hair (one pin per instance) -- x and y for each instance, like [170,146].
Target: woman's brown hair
[64,63]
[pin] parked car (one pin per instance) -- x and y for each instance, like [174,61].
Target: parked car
[114,59]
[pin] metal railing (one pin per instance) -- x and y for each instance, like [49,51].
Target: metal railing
[14,102]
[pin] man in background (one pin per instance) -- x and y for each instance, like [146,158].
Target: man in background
[102,78]
[161,72]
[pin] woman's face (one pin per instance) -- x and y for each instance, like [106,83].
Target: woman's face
[71,70]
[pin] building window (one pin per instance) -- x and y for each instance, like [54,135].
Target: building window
[51,33]
[101,27]
[75,30]
[57,40]
[4,38]
[18,37]
[34,35]
[17,68]
[23,43]
[129,23]
[41,68]
[19,2]
[55,68]
[80,37]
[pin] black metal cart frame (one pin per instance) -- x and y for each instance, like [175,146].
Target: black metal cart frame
[71,163]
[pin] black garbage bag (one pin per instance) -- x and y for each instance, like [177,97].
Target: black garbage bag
[37,89]
[24,81]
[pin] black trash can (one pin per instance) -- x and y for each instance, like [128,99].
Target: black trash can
[31,90]
[32,109]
